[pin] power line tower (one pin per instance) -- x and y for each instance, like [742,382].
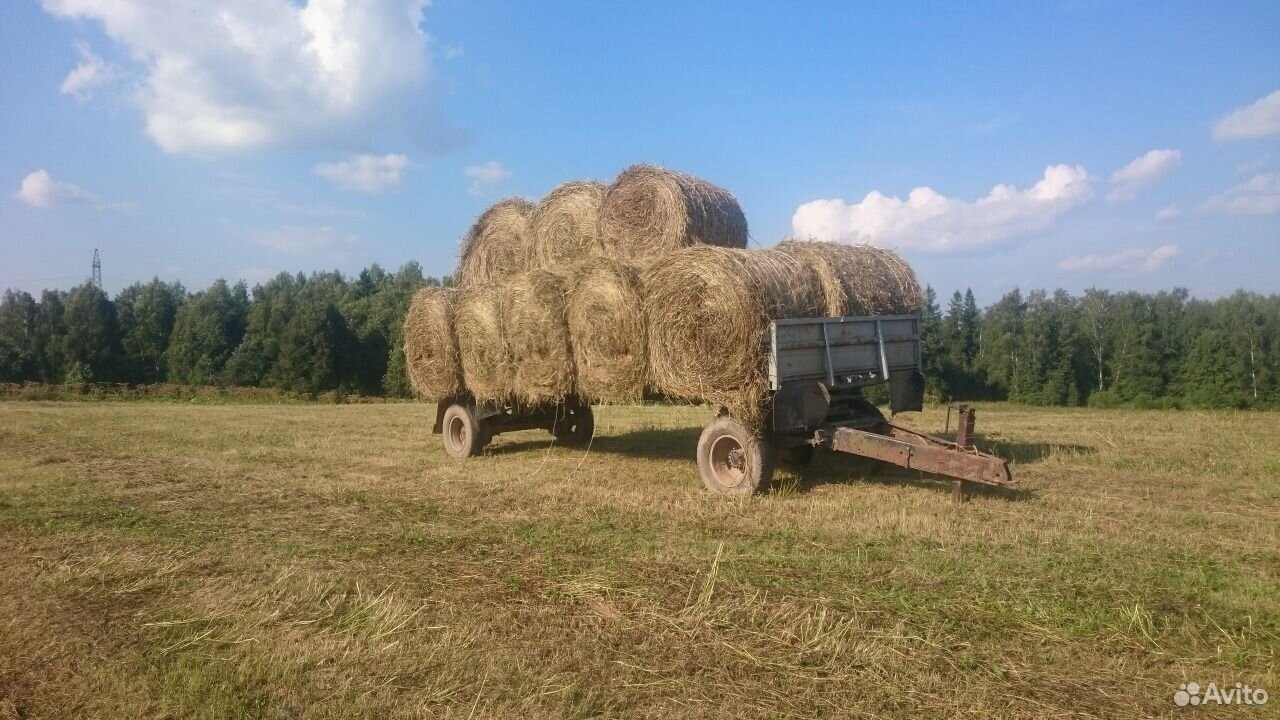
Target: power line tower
[97,270]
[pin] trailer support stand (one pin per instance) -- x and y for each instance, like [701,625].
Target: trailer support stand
[964,434]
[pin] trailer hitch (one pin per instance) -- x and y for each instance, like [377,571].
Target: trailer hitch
[913,450]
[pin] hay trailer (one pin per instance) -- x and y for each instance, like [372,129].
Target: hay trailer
[817,370]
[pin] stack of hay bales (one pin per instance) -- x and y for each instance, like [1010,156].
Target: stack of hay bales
[858,279]
[430,348]
[499,244]
[565,225]
[484,358]
[605,314]
[537,338]
[607,293]
[708,309]
[649,212]
[707,313]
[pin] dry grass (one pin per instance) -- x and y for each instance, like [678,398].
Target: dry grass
[163,560]
[430,348]
[537,337]
[707,311]
[605,313]
[649,211]
[565,225]
[499,244]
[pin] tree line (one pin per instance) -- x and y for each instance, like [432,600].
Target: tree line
[326,332]
[1104,348]
[300,333]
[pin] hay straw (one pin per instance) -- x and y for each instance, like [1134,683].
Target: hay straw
[648,212]
[607,331]
[708,309]
[858,279]
[565,225]
[498,245]
[430,348]
[482,349]
[537,337]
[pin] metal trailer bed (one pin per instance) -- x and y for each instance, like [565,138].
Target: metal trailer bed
[817,369]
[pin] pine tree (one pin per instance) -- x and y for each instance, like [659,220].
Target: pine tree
[932,345]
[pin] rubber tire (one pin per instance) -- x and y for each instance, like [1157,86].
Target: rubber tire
[756,458]
[462,433]
[575,426]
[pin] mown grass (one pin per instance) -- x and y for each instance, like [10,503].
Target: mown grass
[330,562]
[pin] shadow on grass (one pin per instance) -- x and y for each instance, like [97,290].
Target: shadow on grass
[666,444]
[833,469]
[1026,453]
[826,468]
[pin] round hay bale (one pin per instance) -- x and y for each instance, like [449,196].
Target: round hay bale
[565,225]
[858,279]
[648,212]
[498,245]
[430,348]
[482,349]
[708,309]
[537,337]
[607,331]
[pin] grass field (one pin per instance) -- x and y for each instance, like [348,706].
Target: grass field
[164,560]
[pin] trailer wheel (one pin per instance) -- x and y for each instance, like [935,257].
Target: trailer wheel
[733,460]
[463,434]
[575,424]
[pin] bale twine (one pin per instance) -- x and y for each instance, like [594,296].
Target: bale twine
[648,212]
[430,348]
[858,279]
[708,309]
[537,337]
[607,331]
[565,225]
[498,245]
[482,349]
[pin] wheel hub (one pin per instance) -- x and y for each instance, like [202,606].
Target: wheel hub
[457,432]
[737,459]
[728,462]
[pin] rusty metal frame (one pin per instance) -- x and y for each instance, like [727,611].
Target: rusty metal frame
[916,451]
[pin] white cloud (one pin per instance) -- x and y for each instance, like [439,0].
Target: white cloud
[92,73]
[1134,261]
[40,190]
[1260,195]
[1168,212]
[932,222]
[1143,172]
[369,174]
[485,175]
[1250,167]
[239,74]
[1253,121]
[316,241]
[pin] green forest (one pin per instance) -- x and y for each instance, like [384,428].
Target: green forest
[326,332]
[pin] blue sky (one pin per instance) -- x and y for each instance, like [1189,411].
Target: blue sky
[1072,144]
